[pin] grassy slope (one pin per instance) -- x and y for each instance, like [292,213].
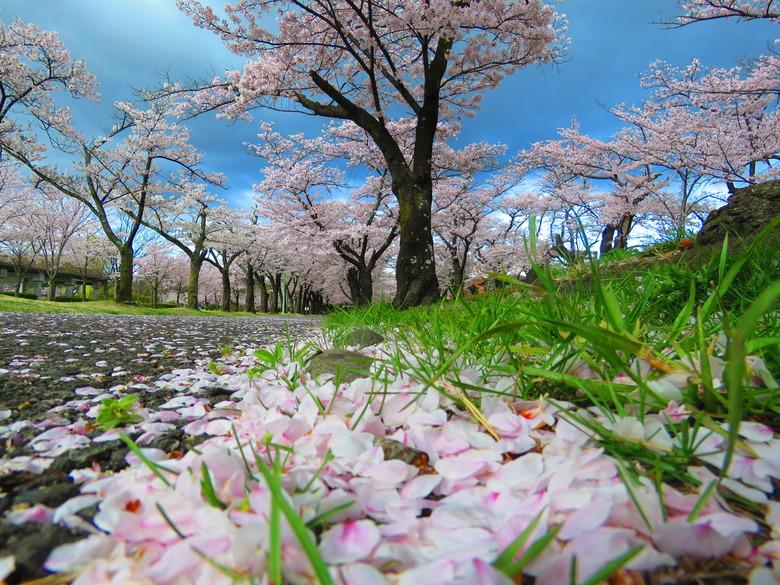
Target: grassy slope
[13,304]
[670,315]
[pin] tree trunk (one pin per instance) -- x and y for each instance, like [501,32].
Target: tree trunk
[249,302]
[458,272]
[52,287]
[225,290]
[260,283]
[361,285]
[415,274]
[624,229]
[196,262]
[276,287]
[606,239]
[124,286]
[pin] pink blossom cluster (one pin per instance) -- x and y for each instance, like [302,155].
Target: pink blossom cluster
[697,10]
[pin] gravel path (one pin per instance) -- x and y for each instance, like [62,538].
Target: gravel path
[45,358]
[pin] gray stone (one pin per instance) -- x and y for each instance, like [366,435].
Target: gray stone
[49,495]
[110,456]
[345,365]
[363,337]
[748,210]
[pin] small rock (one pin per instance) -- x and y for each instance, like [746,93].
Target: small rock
[363,337]
[346,366]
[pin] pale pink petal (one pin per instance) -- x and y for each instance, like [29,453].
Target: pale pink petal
[587,518]
[420,486]
[455,468]
[74,505]
[38,514]
[754,431]
[349,542]
[218,427]
[387,473]
[7,566]
[68,557]
[362,574]
[520,472]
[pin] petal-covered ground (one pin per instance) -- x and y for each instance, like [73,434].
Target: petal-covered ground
[56,368]
[397,483]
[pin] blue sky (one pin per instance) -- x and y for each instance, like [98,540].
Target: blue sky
[130,43]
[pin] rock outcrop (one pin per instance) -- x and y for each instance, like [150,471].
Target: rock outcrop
[747,211]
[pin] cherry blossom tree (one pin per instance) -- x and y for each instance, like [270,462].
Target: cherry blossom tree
[365,62]
[121,171]
[156,266]
[21,244]
[91,252]
[671,139]
[179,276]
[631,177]
[15,195]
[210,285]
[34,64]
[701,10]
[226,243]
[298,193]
[58,218]
[461,218]
[726,120]
[184,216]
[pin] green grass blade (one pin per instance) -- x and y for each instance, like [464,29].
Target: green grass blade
[170,522]
[321,519]
[207,488]
[703,499]
[612,567]
[153,467]
[736,367]
[532,552]
[297,525]
[275,536]
[506,558]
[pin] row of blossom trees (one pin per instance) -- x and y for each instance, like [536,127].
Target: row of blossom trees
[394,80]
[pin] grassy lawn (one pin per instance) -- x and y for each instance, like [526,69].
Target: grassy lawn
[13,304]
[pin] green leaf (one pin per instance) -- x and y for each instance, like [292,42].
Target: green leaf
[684,316]
[265,356]
[612,307]
[598,335]
[275,536]
[169,522]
